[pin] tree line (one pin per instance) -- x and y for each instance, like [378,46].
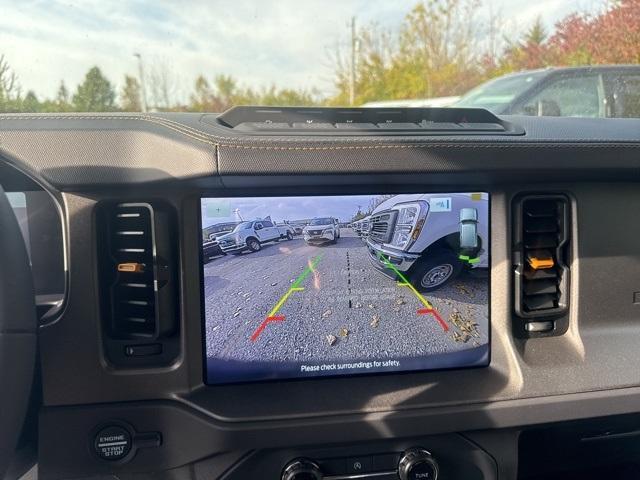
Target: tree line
[438,50]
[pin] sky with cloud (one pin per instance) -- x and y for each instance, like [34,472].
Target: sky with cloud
[223,210]
[288,43]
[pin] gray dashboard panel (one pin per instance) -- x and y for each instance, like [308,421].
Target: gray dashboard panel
[76,151]
[91,150]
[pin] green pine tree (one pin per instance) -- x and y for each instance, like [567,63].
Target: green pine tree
[30,102]
[95,93]
[130,95]
[537,33]
[61,103]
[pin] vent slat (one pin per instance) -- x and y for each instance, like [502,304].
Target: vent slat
[540,302]
[531,274]
[136,319]
[541,208]
[541,225]
[540,242]
[539,287]
[134,310]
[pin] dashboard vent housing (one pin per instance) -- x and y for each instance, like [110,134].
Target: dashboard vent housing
[318,121]
[138,279]
[540,249]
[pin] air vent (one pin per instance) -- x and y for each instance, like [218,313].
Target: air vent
[541,243]
[133,252]
[138,277]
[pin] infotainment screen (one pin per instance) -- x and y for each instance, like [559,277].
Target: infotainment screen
[310,286]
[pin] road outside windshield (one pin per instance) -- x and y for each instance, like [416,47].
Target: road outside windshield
[323,286]
[206,56]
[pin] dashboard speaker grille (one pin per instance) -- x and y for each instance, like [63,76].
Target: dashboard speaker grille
[540,248]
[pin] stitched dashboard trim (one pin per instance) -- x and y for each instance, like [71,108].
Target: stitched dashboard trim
[215,140]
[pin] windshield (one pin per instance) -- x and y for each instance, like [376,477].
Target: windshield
[321,221]
[243,226]
[207,56]
[496,94]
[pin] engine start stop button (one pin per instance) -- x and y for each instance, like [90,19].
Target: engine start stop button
[113,443]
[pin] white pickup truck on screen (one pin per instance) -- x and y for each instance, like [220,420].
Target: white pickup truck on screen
[430,238]
[249,236]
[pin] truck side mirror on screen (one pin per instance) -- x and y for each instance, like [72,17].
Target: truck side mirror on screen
[468,228]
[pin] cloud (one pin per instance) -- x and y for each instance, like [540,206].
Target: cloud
[283,42]
[342,207]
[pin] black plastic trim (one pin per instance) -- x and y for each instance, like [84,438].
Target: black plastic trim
[339,122]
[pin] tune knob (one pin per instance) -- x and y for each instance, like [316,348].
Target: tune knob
[302,469]
[417,464]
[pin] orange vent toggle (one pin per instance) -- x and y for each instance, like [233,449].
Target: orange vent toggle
[540,260]
[131,267]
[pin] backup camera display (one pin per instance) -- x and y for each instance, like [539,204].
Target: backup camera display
[299,287]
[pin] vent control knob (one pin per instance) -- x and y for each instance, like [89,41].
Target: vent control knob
[417,464]
[302,469]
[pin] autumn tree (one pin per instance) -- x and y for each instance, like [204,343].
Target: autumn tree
[163,85]
[285,97]
[95,93]
[612,37]
[224,92]
[202,98]
[432,54]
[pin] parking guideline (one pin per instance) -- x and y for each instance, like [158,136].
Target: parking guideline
[307,271]
[295,287]
[284,299]
[405,283]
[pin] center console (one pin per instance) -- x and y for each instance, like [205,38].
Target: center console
[448,456]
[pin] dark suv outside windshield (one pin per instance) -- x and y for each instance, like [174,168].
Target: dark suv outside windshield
[497,94]
[600,91]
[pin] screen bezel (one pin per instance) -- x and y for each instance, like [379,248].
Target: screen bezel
[334,192]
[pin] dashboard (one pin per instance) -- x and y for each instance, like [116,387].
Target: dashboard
[329,293]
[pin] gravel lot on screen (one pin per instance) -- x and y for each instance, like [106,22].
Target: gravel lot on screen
[347,309]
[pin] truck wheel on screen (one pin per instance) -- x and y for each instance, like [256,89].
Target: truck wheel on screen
[253,244]
[435,270]
[289,236]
